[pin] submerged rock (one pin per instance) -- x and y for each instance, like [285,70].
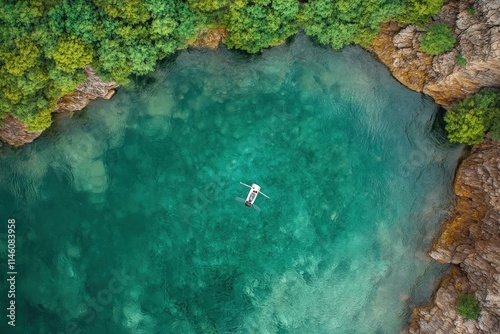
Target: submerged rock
[476,26]
[470,239]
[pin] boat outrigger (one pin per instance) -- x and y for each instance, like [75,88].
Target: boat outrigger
[252,196]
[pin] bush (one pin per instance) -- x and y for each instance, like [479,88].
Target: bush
[437,39]
[468,307]
[468,120]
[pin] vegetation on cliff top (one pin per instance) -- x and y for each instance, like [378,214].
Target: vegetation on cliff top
[468,120]
[45,44]
[437,39]
[468,307]
[342,22]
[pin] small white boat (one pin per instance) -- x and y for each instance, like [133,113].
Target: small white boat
[252,195]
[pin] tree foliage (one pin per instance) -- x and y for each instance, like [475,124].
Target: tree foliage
[45,44]
[418,12]
[71,53]
[468,120]
[437,39]
[208,6]
[253,25]
[342,22]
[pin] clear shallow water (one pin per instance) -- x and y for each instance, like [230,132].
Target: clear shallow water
[127,222]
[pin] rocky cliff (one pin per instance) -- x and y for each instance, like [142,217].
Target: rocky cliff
[476,26]
[470,240]
[93,87]
[15,133]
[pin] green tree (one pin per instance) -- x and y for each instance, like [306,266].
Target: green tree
[342,22]
[41,119]
[22,55]
[437,39]
[468,307]
[25,85]
[71,53]
[467,121]
[418,12]
[208,5]
[130,11]
[134,48]
[78,18]
[254,25]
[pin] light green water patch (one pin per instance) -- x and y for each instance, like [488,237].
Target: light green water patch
[127,220]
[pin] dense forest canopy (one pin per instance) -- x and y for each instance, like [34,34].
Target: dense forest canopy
[45,44]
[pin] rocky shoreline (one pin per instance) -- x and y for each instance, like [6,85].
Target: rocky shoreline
[470,239]
[15,133]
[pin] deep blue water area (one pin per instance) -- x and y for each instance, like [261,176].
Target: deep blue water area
[126,218]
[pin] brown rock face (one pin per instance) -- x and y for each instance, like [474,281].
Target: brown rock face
[441,317]
[396,47]
[14,132]
[210,38]
[478,41]
[471,241]
[93,88]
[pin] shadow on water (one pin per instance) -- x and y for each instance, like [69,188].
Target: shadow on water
[150,80]
[431,278]
[438,131]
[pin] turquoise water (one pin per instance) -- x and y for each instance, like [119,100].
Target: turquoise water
[127,220]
